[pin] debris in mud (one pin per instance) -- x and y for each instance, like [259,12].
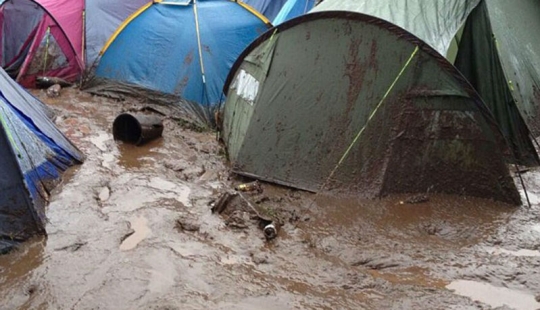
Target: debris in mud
[421,198]
[187,224]
[240,211]
[254,186]
[374,262]
[72,247]
[238,220]
[54,91]
[270,231]
[104,194]
[221,204]
[48,81]
[537,298]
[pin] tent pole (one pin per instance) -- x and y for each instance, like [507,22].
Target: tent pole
[46,49]
[523,186]
[199,45]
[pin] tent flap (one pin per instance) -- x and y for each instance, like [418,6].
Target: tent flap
[498,54]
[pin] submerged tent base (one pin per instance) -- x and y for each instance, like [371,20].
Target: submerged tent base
[188,111]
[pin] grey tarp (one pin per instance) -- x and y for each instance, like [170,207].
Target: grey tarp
[344,102]
[436,22]
[499,54]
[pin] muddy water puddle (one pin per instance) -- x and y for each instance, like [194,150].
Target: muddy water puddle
[132,156]
[443,220]
[114,241]
[495,296]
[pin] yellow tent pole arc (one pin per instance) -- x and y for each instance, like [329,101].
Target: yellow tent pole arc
[342,159]
[124,25]
[254,12]
[199,44]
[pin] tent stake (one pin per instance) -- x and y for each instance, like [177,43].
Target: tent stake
[523,186]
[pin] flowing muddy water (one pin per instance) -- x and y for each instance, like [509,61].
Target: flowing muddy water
[131,228]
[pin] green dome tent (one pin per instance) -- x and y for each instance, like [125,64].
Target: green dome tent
[497,51]
[349,103]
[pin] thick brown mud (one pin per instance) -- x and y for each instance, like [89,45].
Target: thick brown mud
[132,228]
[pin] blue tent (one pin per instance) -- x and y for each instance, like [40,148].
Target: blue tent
[183,48]
[33,154]
[292,9]
[268,8]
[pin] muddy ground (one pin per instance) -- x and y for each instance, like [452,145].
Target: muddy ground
[131,228]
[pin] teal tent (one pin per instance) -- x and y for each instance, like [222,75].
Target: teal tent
[292,9]
[349,103]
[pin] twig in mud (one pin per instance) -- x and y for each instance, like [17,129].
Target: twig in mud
[223,202]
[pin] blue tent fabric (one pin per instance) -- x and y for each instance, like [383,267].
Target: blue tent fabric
[33,155]
[269,8]
[292,9]
[159,49]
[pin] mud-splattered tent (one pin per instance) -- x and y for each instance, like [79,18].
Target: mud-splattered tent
[349,103]
[268,8]
[292,9]
[33,155]
[498,52]
[179,49]
[57,38]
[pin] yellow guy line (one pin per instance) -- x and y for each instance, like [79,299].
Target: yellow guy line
[370,117]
